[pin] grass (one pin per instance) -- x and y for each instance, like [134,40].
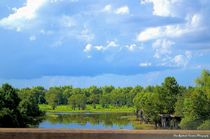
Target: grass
[89,108]
[137,125]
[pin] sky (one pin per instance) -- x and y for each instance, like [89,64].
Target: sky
[103,42]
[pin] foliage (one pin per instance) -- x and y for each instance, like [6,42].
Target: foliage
[16,112]
[54,97]
[205,125]
[168,94]
[191,103]
[88,108]
[196,104]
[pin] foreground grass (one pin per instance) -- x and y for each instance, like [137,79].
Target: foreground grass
[138,125]
[89,108]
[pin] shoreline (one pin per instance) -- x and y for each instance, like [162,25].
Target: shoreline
[89,109]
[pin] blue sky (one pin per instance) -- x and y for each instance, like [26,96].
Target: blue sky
[103,42]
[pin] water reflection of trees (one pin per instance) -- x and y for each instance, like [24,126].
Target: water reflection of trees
[106,119]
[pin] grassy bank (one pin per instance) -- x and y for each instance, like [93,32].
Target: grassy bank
[89,108]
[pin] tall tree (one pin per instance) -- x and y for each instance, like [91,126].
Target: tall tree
[196,104]
[168,94]
[54,97]
[15,112]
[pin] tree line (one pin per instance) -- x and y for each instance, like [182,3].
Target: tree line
[192,104]
[16,110]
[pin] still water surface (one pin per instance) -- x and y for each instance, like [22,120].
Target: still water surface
[89,120]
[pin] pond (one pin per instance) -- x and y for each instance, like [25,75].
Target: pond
[91,121]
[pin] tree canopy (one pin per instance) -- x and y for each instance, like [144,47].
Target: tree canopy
[19,107]
[17,112]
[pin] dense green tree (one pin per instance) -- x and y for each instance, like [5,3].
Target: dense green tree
[195,110]
[16,112]
[54,97]
[105,100]
[168,94]
[67,92]
[29,111]
[81,102]
[196,104]
[107,89]
[78,101]
[131,95]
[205,125]
[138,103]
[73,101]
[9,101]
[39,94]
[95,94]
[118,97]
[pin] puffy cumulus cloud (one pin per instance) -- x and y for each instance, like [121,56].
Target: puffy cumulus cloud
[162,47]
[107,8]
[107,46]
[178,60]
[193,24]
[111,44]
[88,48]
[113,47]
[22,15]
[162,7]
[134,47]
[177,8]
[174,43]
[150,33]
[123,10]
[145,64]
[99,47]
[181,60]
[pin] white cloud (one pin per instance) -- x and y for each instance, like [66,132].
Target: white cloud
[194,20]
[162,7]
[162,47]
[108,8]
[133,47]
[88,48]
[122,10]
[150,33]
[182,60]
[21,16]
[111,44]
[145,64]
[99,47]
[193,24]
[119,11]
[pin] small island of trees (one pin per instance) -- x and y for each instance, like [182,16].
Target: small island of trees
[24,107]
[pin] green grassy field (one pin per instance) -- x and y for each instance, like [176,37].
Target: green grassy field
[89,108]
